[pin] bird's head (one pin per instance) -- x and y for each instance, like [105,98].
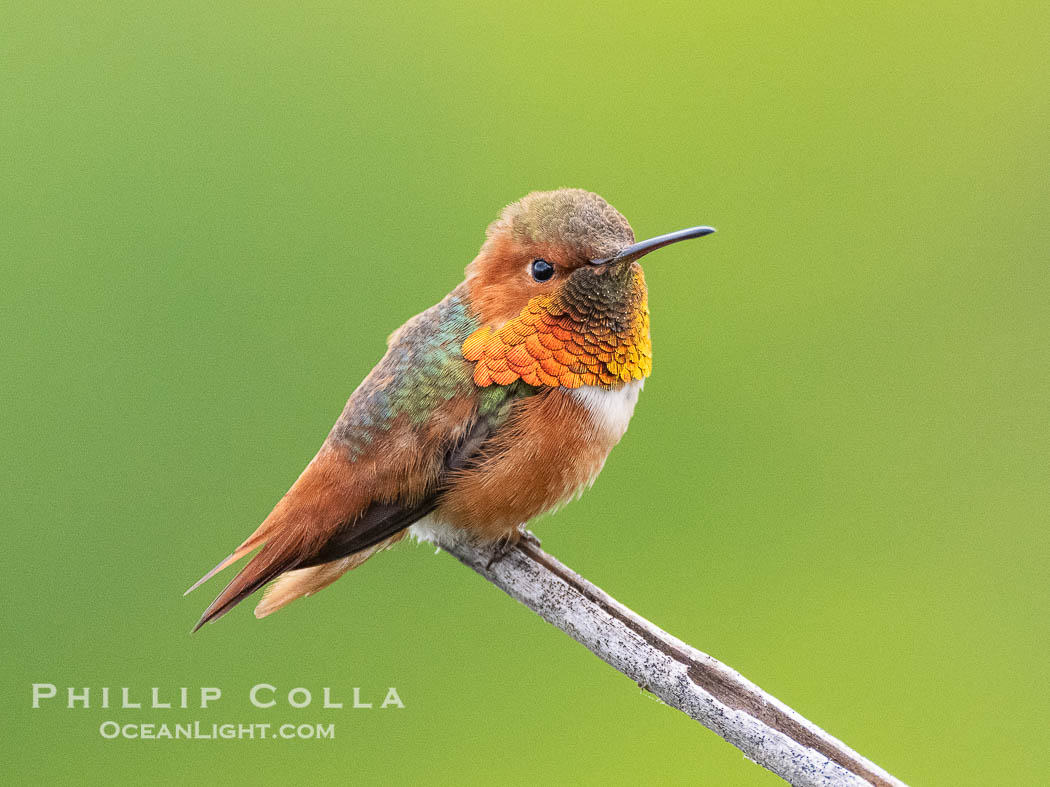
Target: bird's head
[565,258]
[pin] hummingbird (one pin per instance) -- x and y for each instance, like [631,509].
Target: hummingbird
[498,404]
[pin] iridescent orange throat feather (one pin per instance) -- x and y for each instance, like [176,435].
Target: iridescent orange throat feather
[593,331]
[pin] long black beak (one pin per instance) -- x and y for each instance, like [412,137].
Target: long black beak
[638,250]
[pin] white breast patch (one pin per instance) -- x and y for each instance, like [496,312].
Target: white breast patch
[612,408]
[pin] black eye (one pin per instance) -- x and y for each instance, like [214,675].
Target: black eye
[541,270]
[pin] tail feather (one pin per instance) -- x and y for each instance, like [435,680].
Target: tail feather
[323,522]
[320,502]
[273,559]
[253,541]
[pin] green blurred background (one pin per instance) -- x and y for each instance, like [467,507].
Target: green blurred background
[836,480]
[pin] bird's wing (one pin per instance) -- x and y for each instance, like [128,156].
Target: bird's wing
[414,420]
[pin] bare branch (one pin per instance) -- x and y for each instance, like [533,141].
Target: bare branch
[766,730]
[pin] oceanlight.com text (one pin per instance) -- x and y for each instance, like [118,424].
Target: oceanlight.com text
[197,730]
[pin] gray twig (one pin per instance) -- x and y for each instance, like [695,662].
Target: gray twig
[766,730]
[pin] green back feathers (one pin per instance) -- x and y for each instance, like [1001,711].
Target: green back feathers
[422,369]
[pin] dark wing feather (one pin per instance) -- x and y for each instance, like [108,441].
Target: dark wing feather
[382,520]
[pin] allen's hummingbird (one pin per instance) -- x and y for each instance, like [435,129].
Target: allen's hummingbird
[495,405]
